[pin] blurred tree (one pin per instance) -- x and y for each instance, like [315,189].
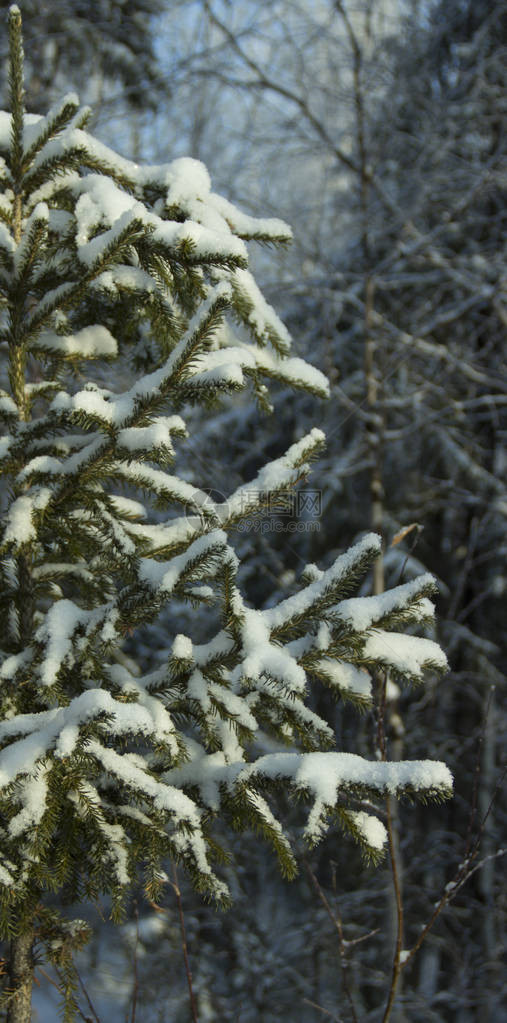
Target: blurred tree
[92,45]
[384,123]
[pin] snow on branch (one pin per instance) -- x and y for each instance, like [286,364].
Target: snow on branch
[323,591]
[327,776]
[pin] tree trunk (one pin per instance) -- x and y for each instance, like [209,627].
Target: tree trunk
[20,970]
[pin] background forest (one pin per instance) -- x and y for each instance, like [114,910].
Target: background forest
[378,130]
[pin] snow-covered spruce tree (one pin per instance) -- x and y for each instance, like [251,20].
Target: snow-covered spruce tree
[106,771]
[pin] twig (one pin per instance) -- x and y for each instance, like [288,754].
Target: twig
[477,773]
[467,565]
[463,874]
[413,543]
[393,855]
[321,1008]
[136,972]
[397,964]
[87,996]
[177,891]
[349,942]
[451,890]
[99,909]
[337,923]
[87,1019]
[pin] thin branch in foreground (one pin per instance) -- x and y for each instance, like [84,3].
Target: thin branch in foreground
[397,960]
[59,988]
[135,990]
[87,996]
[451,890]
[477,774]
[342,943]
[463,874]
[325,1012]
[177,892]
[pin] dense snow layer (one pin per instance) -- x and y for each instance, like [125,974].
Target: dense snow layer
[262,657]
[346,676]
[407,655]
[363,612]
[20,526]
[94,342]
